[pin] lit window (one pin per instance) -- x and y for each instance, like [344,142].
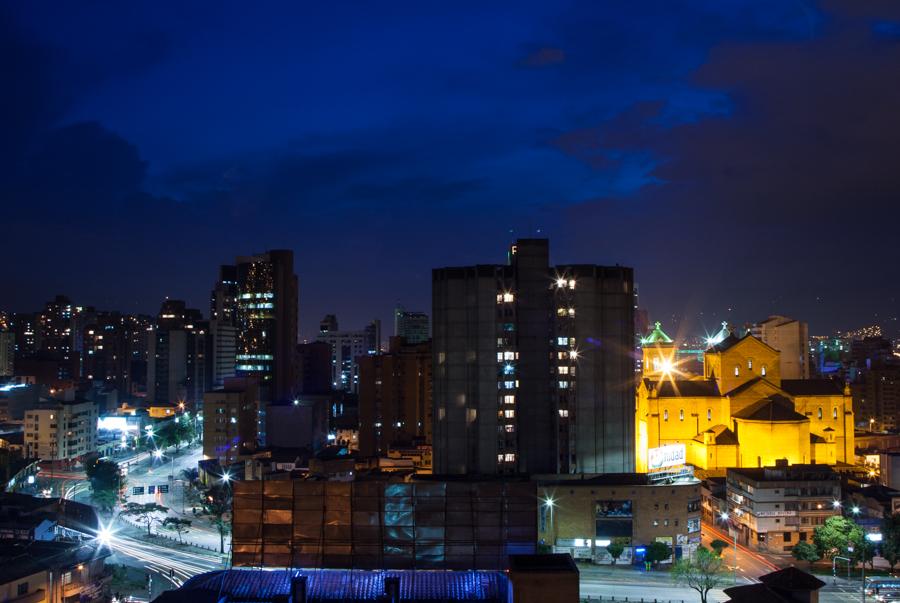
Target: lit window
[563,370]
[510,428]
[509,399]
[509,355]
[709,414]
[666,415]
[571,283]
[510,457]
[499,297]
[571,311]
[820,412]
[499,356]
[508,297]
[562,341]
[834,413]
[563,412]
[560,311]
[763,370]
[509,414]
[737,371]
[749,364]
[509,384]
[563,384]
[681,414]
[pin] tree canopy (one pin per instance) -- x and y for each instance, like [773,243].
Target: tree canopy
[702,572]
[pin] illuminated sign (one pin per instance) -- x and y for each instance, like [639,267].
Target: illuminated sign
[666,456]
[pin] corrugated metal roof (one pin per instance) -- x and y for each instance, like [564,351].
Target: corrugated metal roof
[246,585]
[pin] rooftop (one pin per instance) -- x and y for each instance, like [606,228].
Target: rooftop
[240,585]
[774,408]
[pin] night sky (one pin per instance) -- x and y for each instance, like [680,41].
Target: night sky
[744,157]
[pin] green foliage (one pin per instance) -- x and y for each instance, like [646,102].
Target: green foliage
[718,545]
[615,550]
[657,551]
[804,551]
[216,505]
[146,513]
[833,537]
[702,573]
[104,475]
[177,525]
[106,483]
[105,500]
[890,544]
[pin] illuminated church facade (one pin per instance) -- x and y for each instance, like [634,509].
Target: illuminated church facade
[739,412]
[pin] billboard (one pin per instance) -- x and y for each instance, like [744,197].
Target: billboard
[613,508]
[666,456]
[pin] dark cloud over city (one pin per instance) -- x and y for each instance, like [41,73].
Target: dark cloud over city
[742,156]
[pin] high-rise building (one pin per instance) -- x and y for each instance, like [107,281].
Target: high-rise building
[791,338]
[24,325]
[346,347]
[7,353]
[395,398]
[267,320]
[223,332]
[412,326]
[177,368]
[313,368]
[223,298]
[533,366]
[57,324]
[233,420]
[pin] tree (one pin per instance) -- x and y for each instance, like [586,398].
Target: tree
[615,550]
[146,513]
[105,500]
[657,551]
[702,573]
[890,544]
[804,551]
[177,525]
[106,483]
[718,546]
[833,537]
[217,506]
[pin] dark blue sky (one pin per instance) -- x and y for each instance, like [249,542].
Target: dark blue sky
[744,157]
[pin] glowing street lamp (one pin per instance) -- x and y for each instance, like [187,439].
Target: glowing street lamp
[724,516]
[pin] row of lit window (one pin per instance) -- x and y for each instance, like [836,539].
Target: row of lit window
[737,368]
[506,414]
[562,283]
[509,457]
[572,354]
[507,384]
[565,341]
[505,298]
[566,370]
[501,356]
[565,312]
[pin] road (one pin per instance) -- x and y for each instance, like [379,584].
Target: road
[751,565]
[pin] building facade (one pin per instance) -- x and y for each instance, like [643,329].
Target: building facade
[7,353]
[267,320]
[395,398]
[61,430]
[412,326]
[791,338]
[533,366]
[740,412]
[177,370]
[383,524]
[583,517]
[346,348]
[233,420]
[774,508]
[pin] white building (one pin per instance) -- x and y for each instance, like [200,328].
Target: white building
[346,347]
[61,430]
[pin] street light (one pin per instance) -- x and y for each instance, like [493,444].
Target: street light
[724,517]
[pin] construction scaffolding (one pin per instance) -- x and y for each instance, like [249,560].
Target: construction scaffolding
[429,524]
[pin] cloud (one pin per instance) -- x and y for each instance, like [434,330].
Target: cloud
[543,57]
[795,190]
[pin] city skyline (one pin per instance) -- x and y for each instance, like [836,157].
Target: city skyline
[158,143]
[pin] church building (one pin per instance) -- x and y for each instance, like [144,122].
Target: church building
[739,412]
